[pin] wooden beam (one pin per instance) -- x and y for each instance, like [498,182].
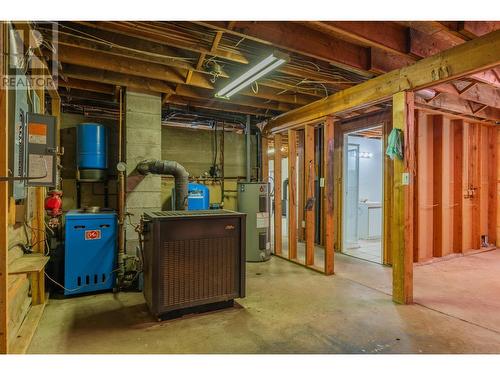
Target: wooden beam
[277,195]
[468,58]
[109,77]
[163,33]
[310,204]
[476,92]
[249,101]
[217,105]
[125,65]
[329,149]
[403,210]
[383,35]
[4,193]
[459,106]
[80,84]
[300,39]
[473,29]
[119,45]
[292,194]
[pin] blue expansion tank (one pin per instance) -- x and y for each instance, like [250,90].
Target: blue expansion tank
[91,146]
[89,251]
[198,197]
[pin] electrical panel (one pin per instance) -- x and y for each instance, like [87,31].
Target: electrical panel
[41,155]
[18,130]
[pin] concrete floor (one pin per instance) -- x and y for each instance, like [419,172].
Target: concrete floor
[289,309]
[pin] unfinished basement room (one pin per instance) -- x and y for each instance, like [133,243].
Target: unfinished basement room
[249,187]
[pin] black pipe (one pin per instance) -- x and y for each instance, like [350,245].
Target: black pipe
[169,167]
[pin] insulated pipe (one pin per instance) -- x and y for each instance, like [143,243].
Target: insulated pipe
[172,168]
[121,197]
[247,130]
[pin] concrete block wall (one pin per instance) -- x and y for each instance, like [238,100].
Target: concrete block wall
[143,141]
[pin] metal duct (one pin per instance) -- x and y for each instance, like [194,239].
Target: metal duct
[172,168]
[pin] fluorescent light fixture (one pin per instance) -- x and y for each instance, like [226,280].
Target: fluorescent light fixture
[265,66]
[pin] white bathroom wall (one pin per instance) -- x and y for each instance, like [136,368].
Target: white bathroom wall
[370,170]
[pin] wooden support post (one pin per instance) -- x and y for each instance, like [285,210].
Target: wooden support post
[388,180]
[309,193]
[292,194]
[300,171]
[328,151]
[338,171]
[277,195]
[402,215]
[492,184]
[264,157]
[458,193]
[4,194]
[437,184]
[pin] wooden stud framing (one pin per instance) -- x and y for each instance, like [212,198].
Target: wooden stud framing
[438,186]
[292,194]
[458,194]
[300,171]
[402,213]
[4,189]
[492,184]
[475,181]
[471,57]
[309,192]
[328,152]
[264,157]
[277,195]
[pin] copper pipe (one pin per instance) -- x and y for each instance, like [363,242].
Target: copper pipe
[121,198]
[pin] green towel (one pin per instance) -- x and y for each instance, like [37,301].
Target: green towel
[395,144]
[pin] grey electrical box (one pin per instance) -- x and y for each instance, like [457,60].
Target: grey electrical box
[41,155]
[18,108]
[253,199]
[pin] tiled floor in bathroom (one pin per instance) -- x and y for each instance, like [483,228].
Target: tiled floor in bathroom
[370,250]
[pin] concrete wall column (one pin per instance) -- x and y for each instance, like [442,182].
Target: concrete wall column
[143,141]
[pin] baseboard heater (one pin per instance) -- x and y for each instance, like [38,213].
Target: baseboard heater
[193,258]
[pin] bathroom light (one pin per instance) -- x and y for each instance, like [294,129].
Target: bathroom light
[262,68]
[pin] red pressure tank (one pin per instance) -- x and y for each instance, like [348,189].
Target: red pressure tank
[53,203]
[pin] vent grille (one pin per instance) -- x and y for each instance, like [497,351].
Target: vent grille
[198,269]
[190,213]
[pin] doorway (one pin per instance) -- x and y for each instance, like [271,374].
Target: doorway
[363,194]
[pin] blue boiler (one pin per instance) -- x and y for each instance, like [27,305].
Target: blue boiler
[90,251]
[198,197]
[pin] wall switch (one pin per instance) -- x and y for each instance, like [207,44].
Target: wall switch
[406,178]
[322,182]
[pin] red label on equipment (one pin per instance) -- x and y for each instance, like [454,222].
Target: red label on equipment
[93,234]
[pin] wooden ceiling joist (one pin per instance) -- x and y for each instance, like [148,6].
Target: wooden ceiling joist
[300,39]
[125,65]
[112,78]
[153,32]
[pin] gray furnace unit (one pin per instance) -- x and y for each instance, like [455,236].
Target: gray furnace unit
[253,199]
